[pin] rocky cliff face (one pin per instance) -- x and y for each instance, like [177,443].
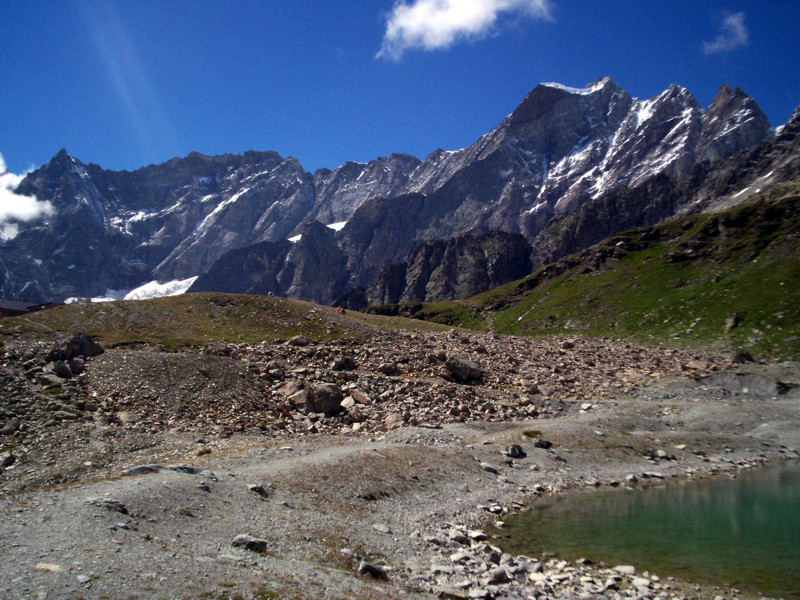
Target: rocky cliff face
[706,187]
[562,147]
[341,191]
[312,268]
[446,270]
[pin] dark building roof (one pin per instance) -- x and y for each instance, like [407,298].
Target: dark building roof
[19,307]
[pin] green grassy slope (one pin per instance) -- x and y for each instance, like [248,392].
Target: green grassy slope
[726,280]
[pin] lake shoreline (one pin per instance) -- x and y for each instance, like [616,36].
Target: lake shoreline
[415,503]
[589,518]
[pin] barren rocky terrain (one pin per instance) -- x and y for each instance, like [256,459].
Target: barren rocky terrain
[374,465]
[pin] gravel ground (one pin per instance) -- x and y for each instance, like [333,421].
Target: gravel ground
[398,492]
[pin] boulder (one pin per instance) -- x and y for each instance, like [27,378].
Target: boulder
[11,426]
[360,397]
[290,388]
[393,421]
[78,344]
[514,451]
[61,369]
[356,415]
[300,400]
[326,398]
[625,570]
[7,459]
[109,504]
[389,368]
[248,542]
[462,369]
[323,398]
[50,380]
[343,363]
[77,366]
[299,340]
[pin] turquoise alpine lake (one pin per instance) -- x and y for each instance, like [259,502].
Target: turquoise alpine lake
[742,532]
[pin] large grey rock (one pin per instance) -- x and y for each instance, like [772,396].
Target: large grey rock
[109,504]
[514,451]
[77,366]
[61,369]
[142,469]
[323,398]
[11,426]
[299,340]
[300,400]
[343,363]
[50,379]
[7,459]
[248,542]
[78,344]
[463,369]
[326,398]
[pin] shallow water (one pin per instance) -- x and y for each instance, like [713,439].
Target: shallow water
[743,532]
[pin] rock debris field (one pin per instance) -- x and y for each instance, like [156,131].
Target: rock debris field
[370,467]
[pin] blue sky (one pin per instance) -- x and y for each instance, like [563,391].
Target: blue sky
[126,84]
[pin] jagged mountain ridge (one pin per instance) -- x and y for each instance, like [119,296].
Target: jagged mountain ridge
[772,164]
[558,149]
[437,270]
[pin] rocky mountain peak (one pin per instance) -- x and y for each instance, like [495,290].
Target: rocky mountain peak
[792,127]
[60,164]
[732,121]
[728,100]
[64,182]
[676,92]
[724,95]
[553,100]
[61,156]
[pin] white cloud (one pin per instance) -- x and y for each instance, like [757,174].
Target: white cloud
[16,208]
[732,34]
[436,24]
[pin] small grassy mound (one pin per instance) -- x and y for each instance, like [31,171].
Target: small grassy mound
[177,322]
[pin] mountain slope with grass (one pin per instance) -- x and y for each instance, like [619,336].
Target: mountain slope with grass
[729,280]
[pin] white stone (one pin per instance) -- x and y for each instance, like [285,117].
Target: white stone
[625,569]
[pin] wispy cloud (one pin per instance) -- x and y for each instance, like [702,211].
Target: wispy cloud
[437,24]
[138,98]
[732,34]
[16,208]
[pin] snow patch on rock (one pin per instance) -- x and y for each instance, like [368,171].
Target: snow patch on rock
[153,289]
